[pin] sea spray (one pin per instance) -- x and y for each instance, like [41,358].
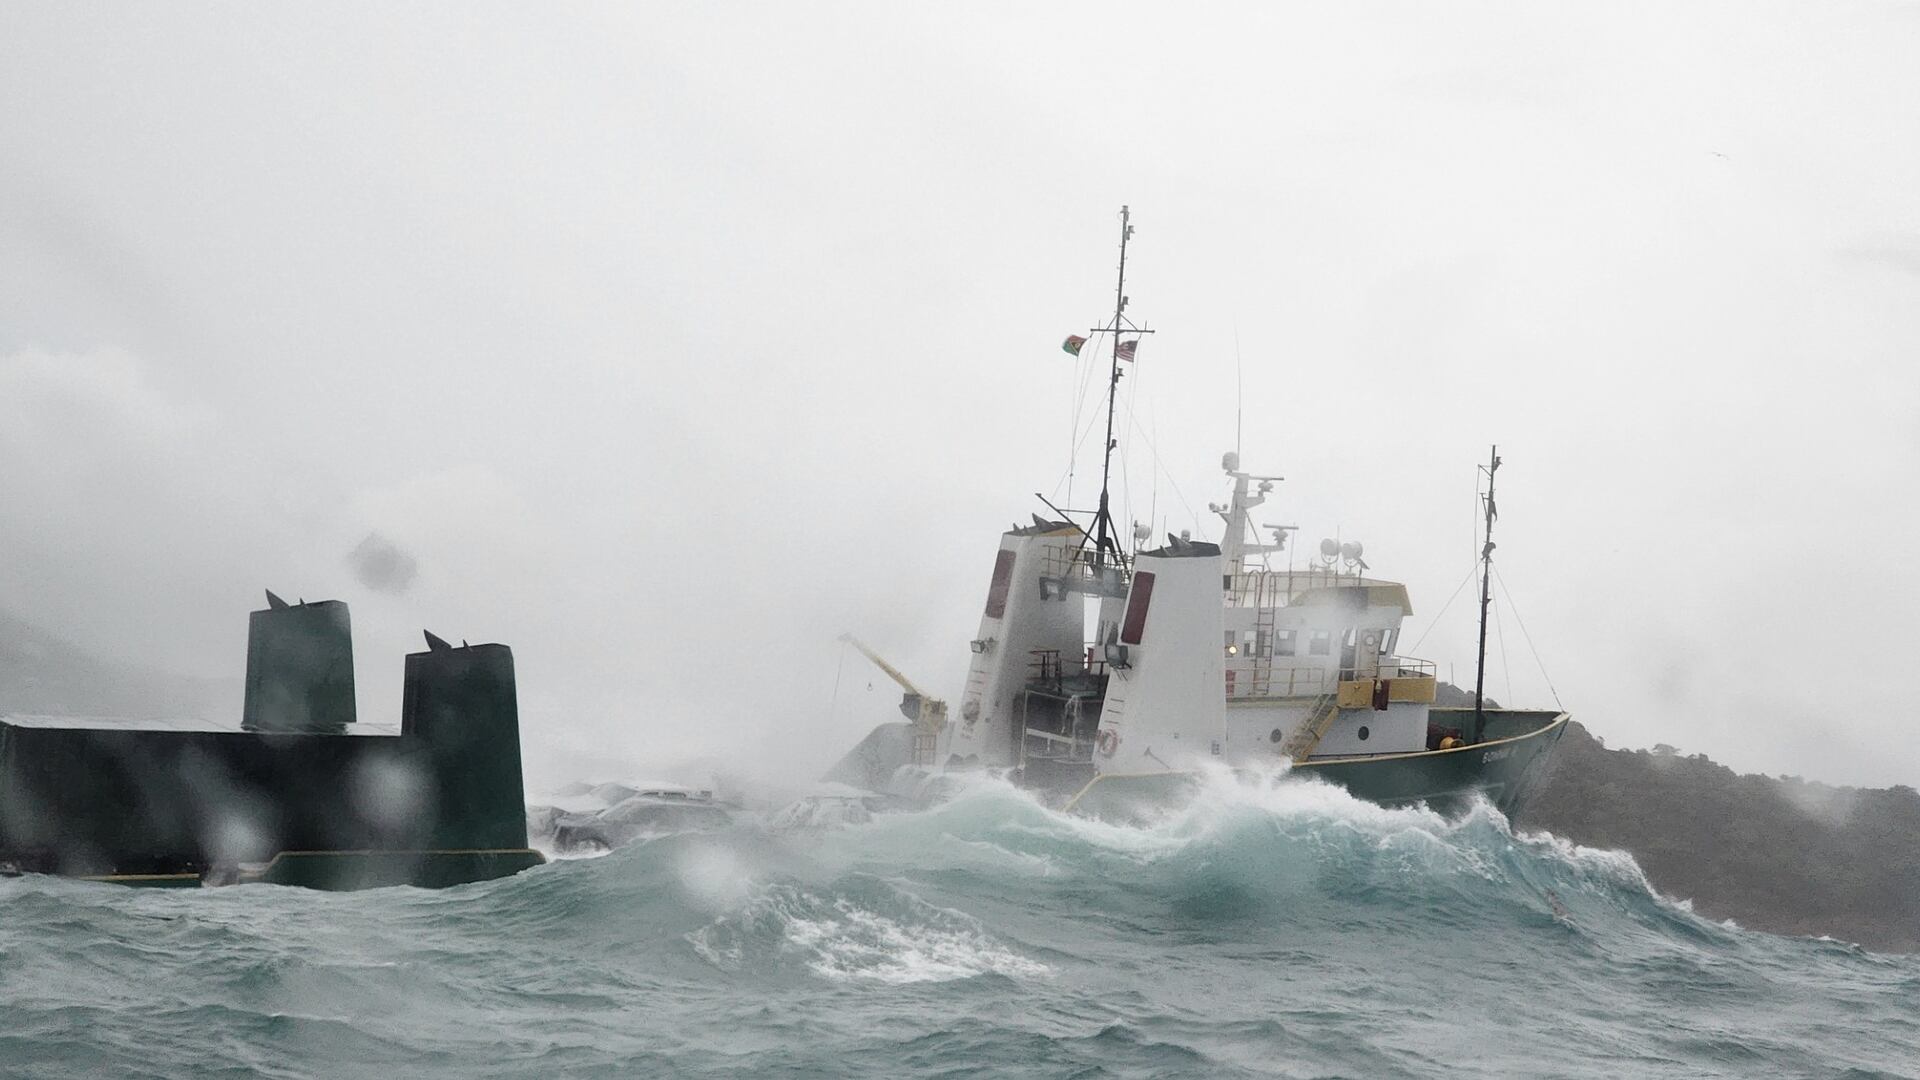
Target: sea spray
[863,928]
[1271,926]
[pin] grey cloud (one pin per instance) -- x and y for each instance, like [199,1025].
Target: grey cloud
[671,343]
[382,566]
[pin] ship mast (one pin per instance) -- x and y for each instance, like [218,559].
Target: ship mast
[1486,575]
[1105,542]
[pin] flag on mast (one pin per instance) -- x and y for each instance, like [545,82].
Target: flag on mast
[1124,350]
[1071,346]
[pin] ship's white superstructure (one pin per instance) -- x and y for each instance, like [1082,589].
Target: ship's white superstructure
[1096,663]
[1163,706]
[1028,621]
[1199,655]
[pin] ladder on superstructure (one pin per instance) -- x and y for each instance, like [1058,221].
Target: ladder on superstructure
[1263,627]
[1320,716]
[926,744]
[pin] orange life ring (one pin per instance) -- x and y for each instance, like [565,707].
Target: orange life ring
[1109,741]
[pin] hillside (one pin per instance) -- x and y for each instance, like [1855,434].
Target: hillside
[40,673]
[1776,854]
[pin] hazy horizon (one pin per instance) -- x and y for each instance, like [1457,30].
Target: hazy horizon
[665,344]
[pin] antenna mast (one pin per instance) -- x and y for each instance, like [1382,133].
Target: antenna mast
[1486,573]
[1105,542]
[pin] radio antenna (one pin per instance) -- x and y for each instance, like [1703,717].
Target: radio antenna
[1486,574]
[1106,546]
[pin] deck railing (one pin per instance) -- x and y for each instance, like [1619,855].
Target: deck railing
[1403,667]
[1071,571]
[1050,668]
[1246,677]
[1279,588]
[1258,677]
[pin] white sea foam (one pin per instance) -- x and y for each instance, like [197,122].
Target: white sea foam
[849,942]
[1221,798]
[845,938]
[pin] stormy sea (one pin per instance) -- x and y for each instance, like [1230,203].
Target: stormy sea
[1267,929]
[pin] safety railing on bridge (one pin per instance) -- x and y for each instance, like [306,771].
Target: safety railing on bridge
[1278,588]
[1258,677]
[1070,570]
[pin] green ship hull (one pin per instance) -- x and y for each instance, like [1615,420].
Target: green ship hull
[1501,768]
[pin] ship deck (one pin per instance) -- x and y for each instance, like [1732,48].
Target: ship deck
[45,722]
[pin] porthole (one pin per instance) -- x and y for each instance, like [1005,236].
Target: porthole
[1364,733]
[1276,736]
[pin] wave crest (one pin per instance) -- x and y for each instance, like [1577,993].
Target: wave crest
[866,929]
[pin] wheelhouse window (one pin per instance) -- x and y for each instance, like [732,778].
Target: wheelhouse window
[1388,641]
[1283,643]
[1138,598]
[1321,643]
[1002,583]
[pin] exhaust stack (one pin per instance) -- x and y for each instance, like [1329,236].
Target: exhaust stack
[299,668]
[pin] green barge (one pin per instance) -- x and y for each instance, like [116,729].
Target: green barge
[297,792]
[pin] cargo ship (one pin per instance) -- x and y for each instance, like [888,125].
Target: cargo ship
[1206,654]
[298,792]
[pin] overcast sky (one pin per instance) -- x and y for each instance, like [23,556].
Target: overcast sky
[671,341]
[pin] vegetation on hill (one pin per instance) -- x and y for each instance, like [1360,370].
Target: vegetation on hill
[1771,853]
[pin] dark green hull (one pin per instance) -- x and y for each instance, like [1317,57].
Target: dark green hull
[298,792]
[1500,768]
[349,870]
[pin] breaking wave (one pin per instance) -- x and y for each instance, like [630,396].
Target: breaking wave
[865,929]
[1268,927]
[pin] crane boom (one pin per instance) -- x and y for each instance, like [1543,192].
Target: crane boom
[881,663]
[928,713]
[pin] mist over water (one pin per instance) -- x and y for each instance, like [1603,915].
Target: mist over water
[636,337]
[1264,930]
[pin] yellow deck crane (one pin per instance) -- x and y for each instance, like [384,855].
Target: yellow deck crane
[928,713]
